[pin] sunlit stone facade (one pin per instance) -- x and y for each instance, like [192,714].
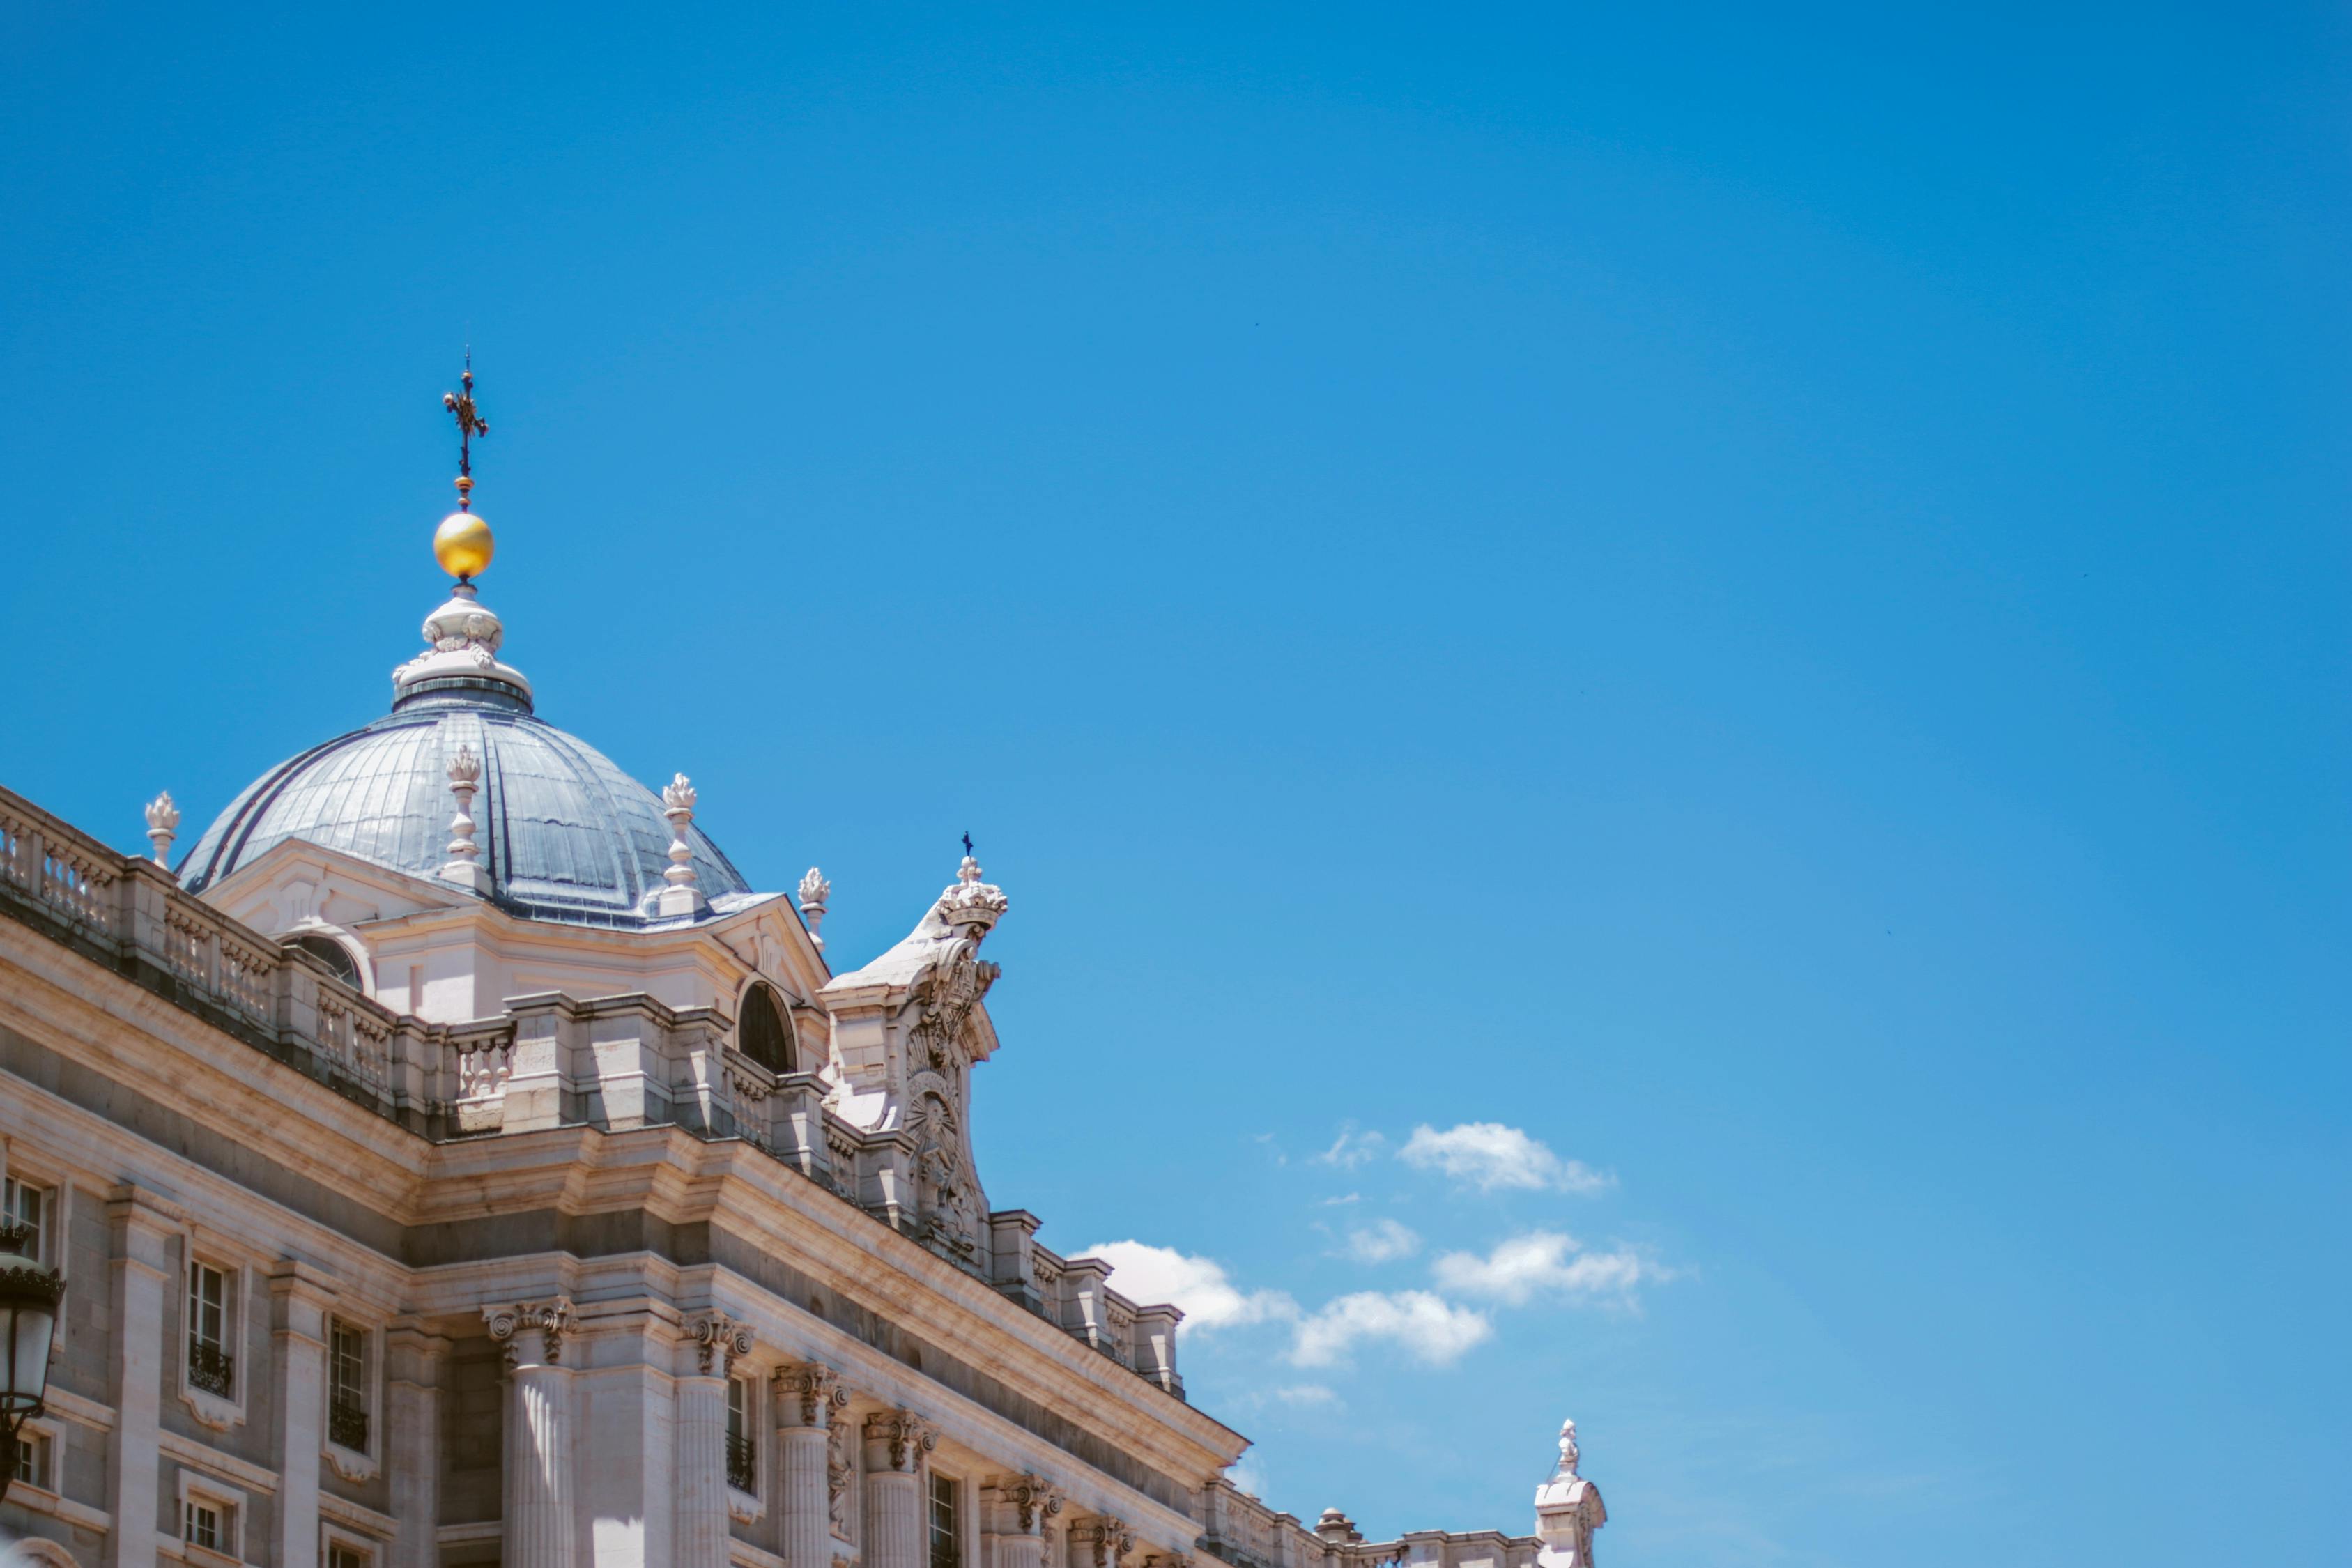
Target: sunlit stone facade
[454,1162]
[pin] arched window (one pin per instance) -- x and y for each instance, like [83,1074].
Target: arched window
[762,1032]
[336,956]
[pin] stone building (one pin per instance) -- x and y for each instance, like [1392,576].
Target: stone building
[456,1161]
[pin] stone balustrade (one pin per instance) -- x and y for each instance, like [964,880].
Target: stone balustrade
[1239,1528]
[549,1060]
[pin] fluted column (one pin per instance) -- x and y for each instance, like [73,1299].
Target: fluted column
[896,1442]
[538,1527]
[807,1398]
[702,1441]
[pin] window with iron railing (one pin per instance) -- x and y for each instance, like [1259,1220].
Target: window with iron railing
[211,1366]
[742,1452]
[347,1412]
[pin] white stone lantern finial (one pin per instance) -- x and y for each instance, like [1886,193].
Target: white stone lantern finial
[464,866]
[814,891]
[163,826]
[681,897]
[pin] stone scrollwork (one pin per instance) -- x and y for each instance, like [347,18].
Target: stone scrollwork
[549,1319]
[818,1388]
[1034,1500]
[720,1338]
[1105,1540]
[906,1435]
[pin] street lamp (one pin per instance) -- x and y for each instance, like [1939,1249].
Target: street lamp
[28,1321]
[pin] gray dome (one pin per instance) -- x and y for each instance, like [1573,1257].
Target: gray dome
[565,835]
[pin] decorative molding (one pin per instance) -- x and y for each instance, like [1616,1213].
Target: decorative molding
[549,1319]
[718,1337]
[1105,1538]
[906,1435]
[350,1463]
[225,1467]
[818,1388]
[1034,1500]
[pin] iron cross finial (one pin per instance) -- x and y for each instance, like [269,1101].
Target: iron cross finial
[470,424]
[967,844]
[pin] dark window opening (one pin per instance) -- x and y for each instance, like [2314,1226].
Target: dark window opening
[946,1526]
[762,1033]
[336,956]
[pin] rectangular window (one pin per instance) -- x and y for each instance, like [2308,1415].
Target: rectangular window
[347,1412]
[742,1452]
[21,1202]
[32,1465]
[945,1525]
[211,1367]
[342,1556]
[211,1525]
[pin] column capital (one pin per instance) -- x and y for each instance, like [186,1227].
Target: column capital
[718,1338]
[817,1390]
[531,1332]
[900,1436]
[1034,1499]
[1104,1539]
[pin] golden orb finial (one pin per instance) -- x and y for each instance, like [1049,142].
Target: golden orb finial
[463,545]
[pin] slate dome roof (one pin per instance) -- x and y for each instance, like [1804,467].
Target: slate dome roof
[564,834]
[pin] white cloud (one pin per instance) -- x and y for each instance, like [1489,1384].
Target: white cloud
[1352,1148]
[1426,1326]
[1488,1154]
[1145,1274]
[1346,1198]
[1307,1393]
[1383,1242]
[1544,1263]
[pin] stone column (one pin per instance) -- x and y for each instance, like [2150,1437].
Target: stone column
[299,1297]
[807,1399]
[539,1526]
[702,1441]
[896,1442]
[1031,1501]
[138,1267]
[411,1441]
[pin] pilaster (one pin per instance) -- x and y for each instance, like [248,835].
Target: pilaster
[141,1228]
[300,1296]
[412,1439]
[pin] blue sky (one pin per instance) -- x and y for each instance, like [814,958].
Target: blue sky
[1751,605]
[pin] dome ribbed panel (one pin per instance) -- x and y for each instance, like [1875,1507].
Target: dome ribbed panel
[564,834]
